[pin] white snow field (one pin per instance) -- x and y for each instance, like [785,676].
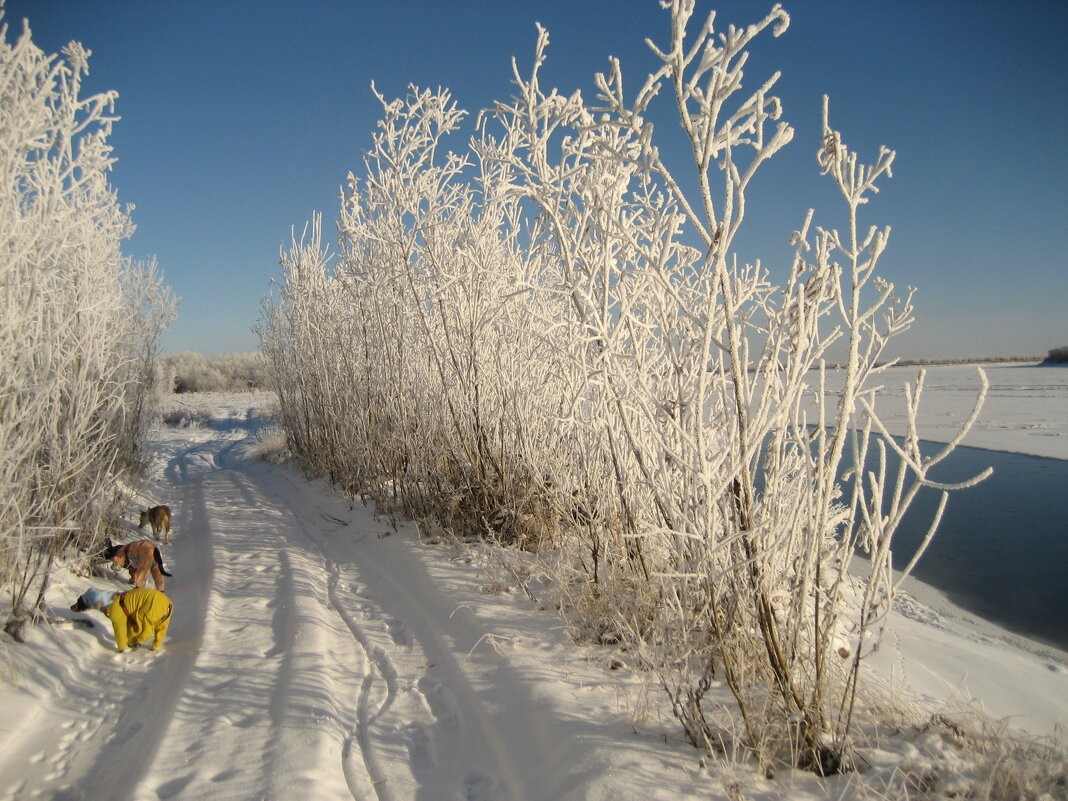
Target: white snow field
[317,652]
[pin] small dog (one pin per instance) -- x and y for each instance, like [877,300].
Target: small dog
[160,519]
[140,558]
[135,616]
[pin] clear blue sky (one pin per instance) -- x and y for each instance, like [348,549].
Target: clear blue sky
[241,119]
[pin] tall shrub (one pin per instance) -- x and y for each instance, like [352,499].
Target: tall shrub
[697,371]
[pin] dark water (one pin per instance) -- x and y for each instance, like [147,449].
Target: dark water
[1001,551]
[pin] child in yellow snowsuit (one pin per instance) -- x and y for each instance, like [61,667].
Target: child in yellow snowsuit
[135,615]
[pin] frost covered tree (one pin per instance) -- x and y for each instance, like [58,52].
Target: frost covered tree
[552,340]
[81,322]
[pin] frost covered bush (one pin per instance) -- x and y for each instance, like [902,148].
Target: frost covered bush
[413,371]
[81,322]
[195,372]
[551,340]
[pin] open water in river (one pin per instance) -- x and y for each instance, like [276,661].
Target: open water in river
[1001,551]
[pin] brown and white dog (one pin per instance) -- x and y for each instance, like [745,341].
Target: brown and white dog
[140,558]
[160,519]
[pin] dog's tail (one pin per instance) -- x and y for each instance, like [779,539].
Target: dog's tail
[159,561]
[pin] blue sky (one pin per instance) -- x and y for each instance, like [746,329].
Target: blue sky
[241,119]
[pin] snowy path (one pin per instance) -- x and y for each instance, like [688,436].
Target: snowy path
[317,654]
[327,658]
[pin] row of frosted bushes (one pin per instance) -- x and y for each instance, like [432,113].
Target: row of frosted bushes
[80,324]
[194,372]
[546,339]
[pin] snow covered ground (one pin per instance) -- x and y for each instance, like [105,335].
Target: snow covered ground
[1026,408]
[318,653]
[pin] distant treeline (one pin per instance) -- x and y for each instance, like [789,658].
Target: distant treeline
[972,360]
[195,372]
[969,360]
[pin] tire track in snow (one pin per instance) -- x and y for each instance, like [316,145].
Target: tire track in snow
[361,737]
[141,731]
[312,714]
[261,698]
[462,741]
[350,678]
[221,710]
[369,774]
[465,729]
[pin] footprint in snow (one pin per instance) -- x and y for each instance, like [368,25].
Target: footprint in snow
[68,793]
[420,749]
[124,735]
[478,787]
[398,632]
[173,787]
[441,702]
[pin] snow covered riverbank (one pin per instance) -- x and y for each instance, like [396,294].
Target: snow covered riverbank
[319,653]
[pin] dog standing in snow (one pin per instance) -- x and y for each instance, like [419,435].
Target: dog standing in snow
[136,616]
[140,558]
[159,517]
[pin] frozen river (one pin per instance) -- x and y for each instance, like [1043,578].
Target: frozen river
[1001,551]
